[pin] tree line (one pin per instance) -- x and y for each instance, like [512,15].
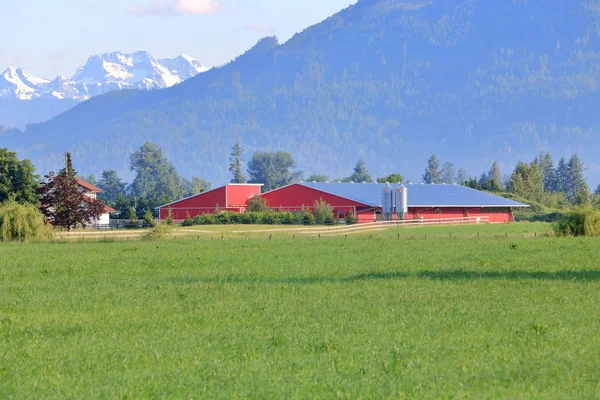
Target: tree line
[555,185]
[157,182]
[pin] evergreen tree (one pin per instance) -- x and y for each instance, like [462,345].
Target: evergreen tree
[235,164]
[63,203]
[562,177]
[17,179]
[576,186]
[274,170]
[156,181]
[495,177]
[393,178]
[461,176]
[546,163]
[448,173]
[597,190]
[112,185]
[361,173]
[318,178]
[432,172]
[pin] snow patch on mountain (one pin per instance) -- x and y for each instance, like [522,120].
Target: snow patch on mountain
[101,74]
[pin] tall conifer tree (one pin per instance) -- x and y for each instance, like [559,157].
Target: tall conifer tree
[235,164]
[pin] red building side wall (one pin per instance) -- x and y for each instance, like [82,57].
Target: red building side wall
[201,204]
[238,195]
[295,196]
[498,215]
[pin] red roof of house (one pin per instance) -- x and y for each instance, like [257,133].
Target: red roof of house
[108,209]
[88,186]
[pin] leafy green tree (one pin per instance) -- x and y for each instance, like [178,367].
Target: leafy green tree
[121,205]
[156,181]
[527,181]
[461,176]
[432,172]
[64,204]
[273,169]
[258,204]
[235,164]
[195,186]
[393,178]
[318,178]
[360,174]
[448,172]
[17,179]
[22,222]
[112,185]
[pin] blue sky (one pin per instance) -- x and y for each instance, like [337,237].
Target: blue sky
[50,37]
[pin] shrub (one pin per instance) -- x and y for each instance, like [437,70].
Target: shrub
[23,223]
[169,219]
[188,221]
[583,221]
[204,219]
[350,218]
[246,218]
[257,204]
[160,232]
[149,219]
[323,212]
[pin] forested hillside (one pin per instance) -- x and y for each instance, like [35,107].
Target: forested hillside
[386,80]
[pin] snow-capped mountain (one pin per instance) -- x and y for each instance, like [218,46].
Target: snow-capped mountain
[101,74]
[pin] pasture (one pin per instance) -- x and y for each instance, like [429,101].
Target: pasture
[500,316]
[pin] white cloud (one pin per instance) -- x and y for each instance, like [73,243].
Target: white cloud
[177,7]
[258,27]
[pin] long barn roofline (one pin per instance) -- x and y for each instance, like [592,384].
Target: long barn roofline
[369,204]
[322,191]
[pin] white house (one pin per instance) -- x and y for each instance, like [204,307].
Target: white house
[92,191]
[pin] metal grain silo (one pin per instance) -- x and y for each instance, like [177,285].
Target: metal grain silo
[387,201]
[401,201]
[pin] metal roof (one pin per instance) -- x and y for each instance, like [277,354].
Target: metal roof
[418,195]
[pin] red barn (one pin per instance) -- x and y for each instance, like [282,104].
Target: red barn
[231,197]
[424,201]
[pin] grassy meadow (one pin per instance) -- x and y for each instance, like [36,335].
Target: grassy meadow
[357,317]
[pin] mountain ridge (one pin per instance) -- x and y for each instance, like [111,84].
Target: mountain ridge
[102,73]
[389,81]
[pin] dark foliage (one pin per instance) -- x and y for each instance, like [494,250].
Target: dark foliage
[63,204]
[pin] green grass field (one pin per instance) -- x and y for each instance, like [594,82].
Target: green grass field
[493,317]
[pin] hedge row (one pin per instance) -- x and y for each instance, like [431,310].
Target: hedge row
[303,217]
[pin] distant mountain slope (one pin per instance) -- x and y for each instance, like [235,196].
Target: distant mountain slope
[391,81]
[101,74]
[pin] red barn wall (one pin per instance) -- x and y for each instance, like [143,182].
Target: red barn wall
[202,203]
[496,215]
[295,196]
[238,195]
